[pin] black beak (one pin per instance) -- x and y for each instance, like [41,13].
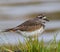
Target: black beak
[46,20]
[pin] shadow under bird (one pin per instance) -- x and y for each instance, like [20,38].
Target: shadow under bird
[31,27]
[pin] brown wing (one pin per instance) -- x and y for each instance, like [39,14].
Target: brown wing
[30,25]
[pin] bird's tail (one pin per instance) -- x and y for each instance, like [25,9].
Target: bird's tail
[8,30]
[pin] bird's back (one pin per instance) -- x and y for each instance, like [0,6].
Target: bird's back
[29,25]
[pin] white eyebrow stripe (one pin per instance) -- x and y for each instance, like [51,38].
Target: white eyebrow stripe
[39,16]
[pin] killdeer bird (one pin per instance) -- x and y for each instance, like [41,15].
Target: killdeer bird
[31,27]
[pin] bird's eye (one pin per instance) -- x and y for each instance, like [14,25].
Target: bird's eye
[40,17]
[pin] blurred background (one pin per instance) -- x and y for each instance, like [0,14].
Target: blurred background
[15,12]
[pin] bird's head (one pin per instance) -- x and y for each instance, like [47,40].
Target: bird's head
[42,18]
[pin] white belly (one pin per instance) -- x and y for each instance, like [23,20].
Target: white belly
[33,33]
